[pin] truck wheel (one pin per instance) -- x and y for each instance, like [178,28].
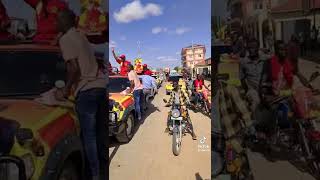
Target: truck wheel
[69,171]
[126,135]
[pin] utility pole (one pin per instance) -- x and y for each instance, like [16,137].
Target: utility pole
[193,59]
[139,50]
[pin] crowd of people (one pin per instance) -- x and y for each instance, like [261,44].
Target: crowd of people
[275,72]
[141,83]
[91,20]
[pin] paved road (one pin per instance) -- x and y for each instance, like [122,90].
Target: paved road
[148,156]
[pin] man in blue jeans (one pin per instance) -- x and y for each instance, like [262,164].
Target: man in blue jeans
[137,89]
[89,83]
[148,83]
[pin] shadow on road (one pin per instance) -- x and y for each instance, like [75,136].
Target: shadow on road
[113,153]
[282,154]
[113,141]
[198,177]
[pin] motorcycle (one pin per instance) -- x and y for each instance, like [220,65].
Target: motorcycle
[203,104]
[302,136]
[178,121]
[229,150]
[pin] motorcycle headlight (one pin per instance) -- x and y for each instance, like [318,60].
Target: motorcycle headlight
[175,113]
[10,171]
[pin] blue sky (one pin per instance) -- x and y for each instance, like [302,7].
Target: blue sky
[18,8]
[162,27]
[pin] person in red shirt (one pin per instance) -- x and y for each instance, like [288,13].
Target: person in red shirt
[124,64]
[146,71]
[4,24]
[198,84]
[283,69]
[46,15]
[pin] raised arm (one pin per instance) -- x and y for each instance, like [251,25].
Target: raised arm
[115,56]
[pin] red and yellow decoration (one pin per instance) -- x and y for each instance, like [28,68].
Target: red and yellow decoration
[93,21]
[138,66]
[46,15]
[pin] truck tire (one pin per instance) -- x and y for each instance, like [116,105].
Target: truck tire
[126,135]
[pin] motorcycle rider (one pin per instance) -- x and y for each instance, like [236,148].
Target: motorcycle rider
[176,93]
[198,85]
[251,76]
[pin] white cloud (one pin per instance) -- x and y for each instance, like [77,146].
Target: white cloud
[123,38]
[167,59]
[161,57]
[112,44]
[157,30]
[182,30]
[136,11]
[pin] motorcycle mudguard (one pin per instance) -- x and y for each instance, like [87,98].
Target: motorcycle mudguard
[175,129]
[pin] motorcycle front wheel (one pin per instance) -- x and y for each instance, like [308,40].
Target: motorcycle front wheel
[176,141]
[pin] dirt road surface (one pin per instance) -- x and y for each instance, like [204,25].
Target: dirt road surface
[148,156]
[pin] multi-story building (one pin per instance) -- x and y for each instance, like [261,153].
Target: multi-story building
[192,55]
[254,18]
[294,16]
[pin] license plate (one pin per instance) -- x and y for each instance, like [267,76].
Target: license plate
[179,118]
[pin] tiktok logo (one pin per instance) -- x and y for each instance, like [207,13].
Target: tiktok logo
[203,140]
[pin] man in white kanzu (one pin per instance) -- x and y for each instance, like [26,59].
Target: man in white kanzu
[89,83]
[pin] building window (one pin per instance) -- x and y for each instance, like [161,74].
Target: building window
[190,56]
[199,55]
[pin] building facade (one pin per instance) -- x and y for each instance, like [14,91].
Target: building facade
[204,68]
[295,17]
[192,55]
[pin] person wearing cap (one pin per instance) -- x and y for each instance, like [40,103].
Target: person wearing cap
[123,63]
[146,71]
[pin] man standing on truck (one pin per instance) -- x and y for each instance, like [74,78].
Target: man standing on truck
[123,63]
[89,83]
[137,89]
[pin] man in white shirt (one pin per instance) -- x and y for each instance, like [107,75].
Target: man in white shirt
[89,83]
[137,89]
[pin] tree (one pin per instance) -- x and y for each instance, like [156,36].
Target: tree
[176,68]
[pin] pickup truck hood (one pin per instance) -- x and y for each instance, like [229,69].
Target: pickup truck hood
[28,113]
[124,100]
